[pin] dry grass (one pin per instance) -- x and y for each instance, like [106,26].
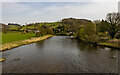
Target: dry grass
[112,45]
[114,40]
[2,59]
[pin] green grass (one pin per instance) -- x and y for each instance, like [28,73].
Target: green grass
[0,38]
[27,27]
[52,25]
[8,46]
[15,36]
[13,27]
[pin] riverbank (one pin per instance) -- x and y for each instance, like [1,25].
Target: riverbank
[110,45]
[8,46]
[104,44]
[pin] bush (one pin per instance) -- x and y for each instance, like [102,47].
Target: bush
[90,29]
[41,32]
[88,33]
[49,31]
[81,34]
[44,31]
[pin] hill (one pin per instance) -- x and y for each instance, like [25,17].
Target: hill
[75,21]
[72,24]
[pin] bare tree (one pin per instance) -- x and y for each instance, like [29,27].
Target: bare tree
[114,22]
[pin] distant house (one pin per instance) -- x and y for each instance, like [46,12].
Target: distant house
[32,30]
[36,31]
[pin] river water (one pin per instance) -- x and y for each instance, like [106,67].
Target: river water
[60,54]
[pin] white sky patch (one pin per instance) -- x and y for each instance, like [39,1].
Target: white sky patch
[0,12]
[32,12]
[60,0]
[92,11]
[13,7]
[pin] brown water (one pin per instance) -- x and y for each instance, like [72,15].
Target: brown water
[60,54]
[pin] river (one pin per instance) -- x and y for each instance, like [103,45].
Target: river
[60,54]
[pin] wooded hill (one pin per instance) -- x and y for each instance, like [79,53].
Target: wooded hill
[75,21]
[72,24]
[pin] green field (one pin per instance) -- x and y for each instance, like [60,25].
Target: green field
[11,27]
[0,38]
[15,36]
[52,25]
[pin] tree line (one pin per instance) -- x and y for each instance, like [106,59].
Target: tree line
[82,28]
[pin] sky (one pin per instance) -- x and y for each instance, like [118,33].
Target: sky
[22,12]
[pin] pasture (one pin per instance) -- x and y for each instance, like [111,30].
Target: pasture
[15,36]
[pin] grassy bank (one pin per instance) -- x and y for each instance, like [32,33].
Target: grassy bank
[114,45]
[110,45]
[13,36]
[7,46]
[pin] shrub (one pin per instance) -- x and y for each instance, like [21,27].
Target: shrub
[81,34]
[88,33]
[49,31]
[90,29]
[41,32]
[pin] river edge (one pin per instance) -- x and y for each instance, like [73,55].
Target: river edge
[103,44]
[8,46]
[109,45]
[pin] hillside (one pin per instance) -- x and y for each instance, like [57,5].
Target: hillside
[72,24]
[75,21]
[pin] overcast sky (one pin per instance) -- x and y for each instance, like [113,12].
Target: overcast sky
[17,11]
